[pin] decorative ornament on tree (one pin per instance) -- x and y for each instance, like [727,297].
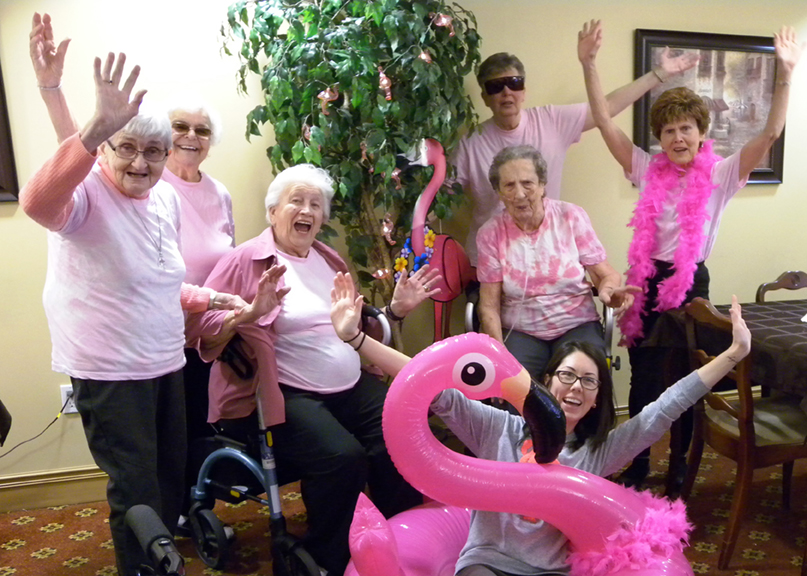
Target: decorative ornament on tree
[328,95]
[381,273]
[396,176]
[307,131]
[426,57]
[443,20]
[385,83]
[388,228]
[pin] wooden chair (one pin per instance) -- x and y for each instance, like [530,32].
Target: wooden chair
[755,433]
[792,280]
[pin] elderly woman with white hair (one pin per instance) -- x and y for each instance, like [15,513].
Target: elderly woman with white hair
[323,410]
[114,297]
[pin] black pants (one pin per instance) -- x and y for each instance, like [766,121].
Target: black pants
[648,363]
[334,443]
[136,433]
[196,378]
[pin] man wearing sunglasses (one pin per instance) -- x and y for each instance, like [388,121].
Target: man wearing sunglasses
[550,129]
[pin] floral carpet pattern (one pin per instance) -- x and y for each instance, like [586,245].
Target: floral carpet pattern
[74,540]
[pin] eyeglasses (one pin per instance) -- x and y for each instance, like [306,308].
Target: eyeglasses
[496,85]
[569,378]
[127,151]
[202,132]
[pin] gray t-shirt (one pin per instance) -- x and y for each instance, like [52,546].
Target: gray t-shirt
[511,543]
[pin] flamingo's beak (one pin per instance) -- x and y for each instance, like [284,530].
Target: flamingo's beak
[516,388]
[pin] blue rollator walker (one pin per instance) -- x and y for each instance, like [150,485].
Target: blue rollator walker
[289,557]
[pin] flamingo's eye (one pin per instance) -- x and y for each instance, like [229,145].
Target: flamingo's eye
[475,371]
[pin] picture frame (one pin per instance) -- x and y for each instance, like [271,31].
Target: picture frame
[735,76]
[9,187]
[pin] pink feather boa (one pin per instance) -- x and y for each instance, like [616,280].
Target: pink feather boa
[662,176]
[663,531]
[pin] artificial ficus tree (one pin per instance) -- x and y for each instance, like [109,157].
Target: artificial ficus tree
[349,86]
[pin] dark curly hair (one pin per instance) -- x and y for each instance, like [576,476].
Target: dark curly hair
[676,104]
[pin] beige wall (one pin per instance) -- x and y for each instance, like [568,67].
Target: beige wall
[177,44]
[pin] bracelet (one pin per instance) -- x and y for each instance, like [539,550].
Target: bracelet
[50,88]
[392,315]
[364,337]
[661,79]
[783,82]
[359,333]
[212,304]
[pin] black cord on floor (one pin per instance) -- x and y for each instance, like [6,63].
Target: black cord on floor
[61,411]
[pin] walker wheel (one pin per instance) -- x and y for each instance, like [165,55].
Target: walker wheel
[291,559]
[208,536]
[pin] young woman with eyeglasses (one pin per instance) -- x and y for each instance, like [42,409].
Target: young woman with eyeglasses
[578,377]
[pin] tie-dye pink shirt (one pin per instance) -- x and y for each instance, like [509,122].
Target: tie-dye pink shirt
[545,292]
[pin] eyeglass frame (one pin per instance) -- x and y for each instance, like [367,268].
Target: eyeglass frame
[206,134]
[496,85]
[582,379]
[137,151]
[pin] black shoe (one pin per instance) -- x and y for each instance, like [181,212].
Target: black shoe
[635,474]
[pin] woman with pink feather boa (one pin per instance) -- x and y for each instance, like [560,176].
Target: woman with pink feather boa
[683,192]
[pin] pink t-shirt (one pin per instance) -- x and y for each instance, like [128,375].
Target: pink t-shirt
[544,288]
[113,311]
[208,230]
[305,333]
[550,129]
[725,175]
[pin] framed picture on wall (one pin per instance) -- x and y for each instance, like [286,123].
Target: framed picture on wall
[735,76]
[9,189]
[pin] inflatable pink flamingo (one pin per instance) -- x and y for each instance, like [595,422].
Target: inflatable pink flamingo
[448,256]
[612,530]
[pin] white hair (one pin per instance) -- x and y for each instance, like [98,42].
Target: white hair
[301,174]
[193,104]
[151,123]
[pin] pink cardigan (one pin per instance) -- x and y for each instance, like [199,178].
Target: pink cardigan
[238,273]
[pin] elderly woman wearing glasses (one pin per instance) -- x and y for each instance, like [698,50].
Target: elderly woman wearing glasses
[549,129]
[112,297]
[533,262]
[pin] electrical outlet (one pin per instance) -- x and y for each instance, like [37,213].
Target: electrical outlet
[66,391]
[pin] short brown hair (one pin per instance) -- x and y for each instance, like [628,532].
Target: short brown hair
[496,64]
[675,104]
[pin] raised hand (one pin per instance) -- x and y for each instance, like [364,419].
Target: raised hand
[672,65]
[412,290]
[114,105]
[47,58]
[788,50]
[268,296]
[741,335]
[589,40]
[345,307]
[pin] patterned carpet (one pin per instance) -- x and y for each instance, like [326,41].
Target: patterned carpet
[74,540]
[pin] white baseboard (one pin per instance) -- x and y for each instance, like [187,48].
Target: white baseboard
[71,486]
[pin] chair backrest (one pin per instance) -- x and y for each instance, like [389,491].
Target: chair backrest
[792,280]
[704,328]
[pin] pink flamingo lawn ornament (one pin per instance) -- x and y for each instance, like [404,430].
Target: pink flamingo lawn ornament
[612,530]
[448,257]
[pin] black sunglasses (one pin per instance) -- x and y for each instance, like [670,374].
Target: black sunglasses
[496,85]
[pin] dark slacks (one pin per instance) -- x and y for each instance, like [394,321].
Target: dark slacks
[534,354]
[334,444]
[648,363]
[137,435]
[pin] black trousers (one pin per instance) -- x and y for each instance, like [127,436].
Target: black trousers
[335,445]
[649,363]
[136,433]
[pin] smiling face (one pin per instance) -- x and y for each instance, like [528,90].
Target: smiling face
[681,140]
[297,219]
[575,401]
[190,148]
[506,105]
[522,193]
[135,176]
